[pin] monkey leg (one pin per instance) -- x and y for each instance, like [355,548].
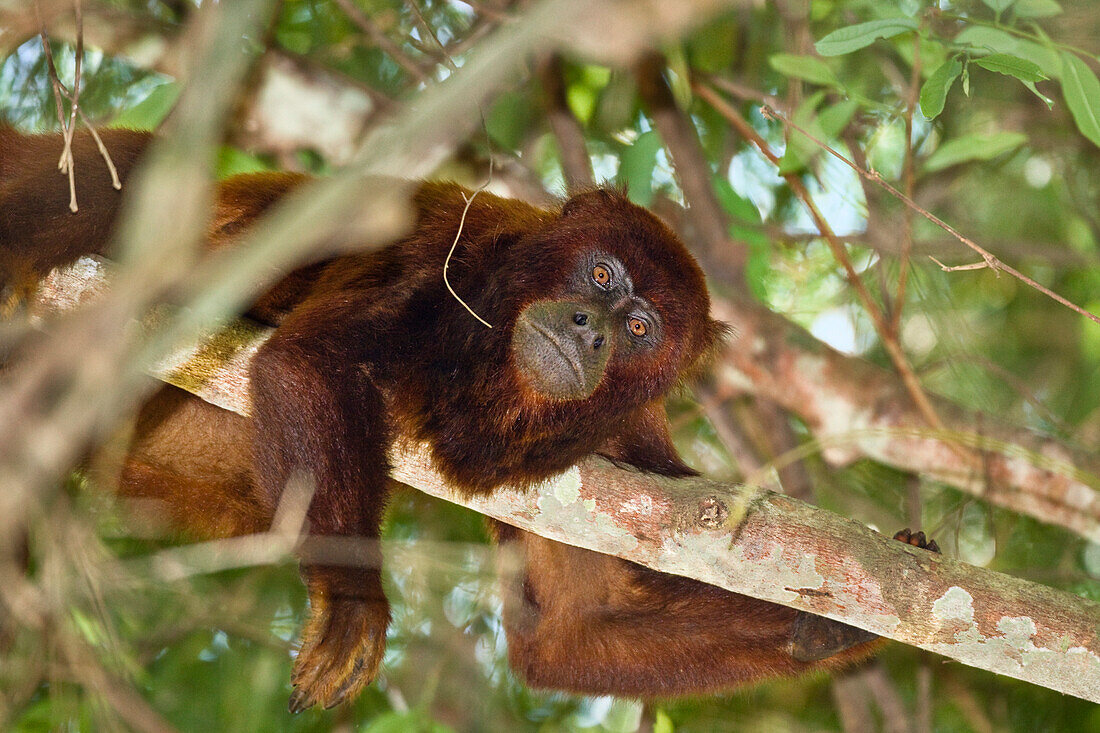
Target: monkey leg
[188,467]
[319,418]
[595,624]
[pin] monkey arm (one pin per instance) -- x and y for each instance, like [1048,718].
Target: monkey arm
[320,419]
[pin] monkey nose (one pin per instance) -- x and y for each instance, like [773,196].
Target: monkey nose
[587,328]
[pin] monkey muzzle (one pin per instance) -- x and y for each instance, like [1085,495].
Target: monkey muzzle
[561,349]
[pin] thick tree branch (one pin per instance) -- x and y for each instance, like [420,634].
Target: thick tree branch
[742,538]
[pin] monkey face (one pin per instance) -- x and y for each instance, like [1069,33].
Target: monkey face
[562,347]
[614,304]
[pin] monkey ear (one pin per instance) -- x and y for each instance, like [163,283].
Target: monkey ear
[645,443]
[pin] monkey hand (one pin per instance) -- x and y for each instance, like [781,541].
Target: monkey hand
[917,539]
[342,645]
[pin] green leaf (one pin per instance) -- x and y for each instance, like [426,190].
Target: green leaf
[1082,92]
[509,118]
[799,148]
[1037,8]
[740,209]
[933,95]
[151,111]
[1046,100]
[581,99]
[745,228]
[984,39]
[973,147]
[807,68]
[401,722]
[999,6]
[636,166]
[855,37]
[824,127]
[834,119]
[662,723]
[1009,65]
[233,162]
[714,47]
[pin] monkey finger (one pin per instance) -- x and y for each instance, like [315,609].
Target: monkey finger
[917,539]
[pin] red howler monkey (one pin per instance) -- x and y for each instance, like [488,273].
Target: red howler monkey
[598,311]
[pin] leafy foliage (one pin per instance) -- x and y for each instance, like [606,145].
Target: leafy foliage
[999,134]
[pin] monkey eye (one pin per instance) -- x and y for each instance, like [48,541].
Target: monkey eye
[601,276]
[637,326]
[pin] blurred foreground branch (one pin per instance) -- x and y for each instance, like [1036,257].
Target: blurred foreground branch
[741,538]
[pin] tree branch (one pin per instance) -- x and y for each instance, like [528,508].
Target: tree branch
[856,409]
[722,255]
[566,127]
[742,538]
[682,142]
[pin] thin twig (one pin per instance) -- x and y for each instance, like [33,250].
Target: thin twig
[470,200]
[1013,381]
[67,164]
[115,182]
[59,93]
[480,28]
[889,341]
[426,27]
[983,265]
[461,224]
[742,91]
[990,259]
[910,185]
[365,24]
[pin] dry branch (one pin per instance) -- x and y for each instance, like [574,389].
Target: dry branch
[745,539]
[722,255]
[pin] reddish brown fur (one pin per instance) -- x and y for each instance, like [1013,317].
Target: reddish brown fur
[369,345]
